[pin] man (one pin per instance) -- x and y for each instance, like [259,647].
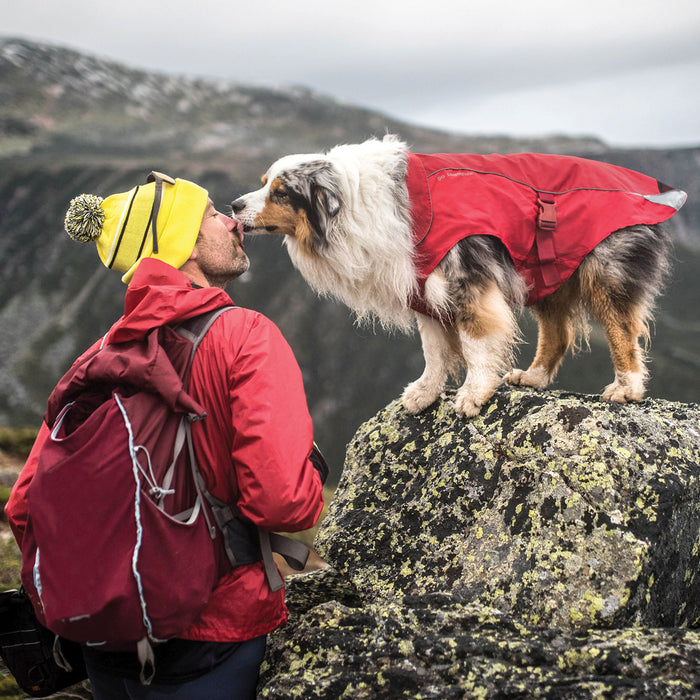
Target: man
[177,253]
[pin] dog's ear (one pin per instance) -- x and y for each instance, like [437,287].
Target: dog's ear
[326,204]
[317,183]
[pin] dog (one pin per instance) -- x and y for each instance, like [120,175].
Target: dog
[462,242]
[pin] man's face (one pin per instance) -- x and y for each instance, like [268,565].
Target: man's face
[219,248]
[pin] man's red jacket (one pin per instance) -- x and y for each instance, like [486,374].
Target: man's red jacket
[253,447]
[549,211]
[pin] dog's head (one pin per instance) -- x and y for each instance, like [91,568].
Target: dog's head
[300,198]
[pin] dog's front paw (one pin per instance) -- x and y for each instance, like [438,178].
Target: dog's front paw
[535,377]
[417,397]
[628,386]
[468,403]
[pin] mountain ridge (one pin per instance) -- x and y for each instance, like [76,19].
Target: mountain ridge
[68,85]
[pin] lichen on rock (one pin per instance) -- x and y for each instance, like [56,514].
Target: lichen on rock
[435,646]
[553,538]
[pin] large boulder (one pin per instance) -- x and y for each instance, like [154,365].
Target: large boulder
[549,547]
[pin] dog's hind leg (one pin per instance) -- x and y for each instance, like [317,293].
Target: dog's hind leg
[620,280]
[624,330]
[555,335]
[487,333]
[439,363]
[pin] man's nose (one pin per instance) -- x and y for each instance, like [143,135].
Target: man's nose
[227,221]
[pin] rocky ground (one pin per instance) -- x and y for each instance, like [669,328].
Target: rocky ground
[548,548]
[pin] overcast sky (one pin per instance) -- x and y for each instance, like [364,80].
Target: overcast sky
[627,71]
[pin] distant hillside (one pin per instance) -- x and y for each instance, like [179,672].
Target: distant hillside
[71,123]
[55,100]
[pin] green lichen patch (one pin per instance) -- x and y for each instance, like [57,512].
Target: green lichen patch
[435,646]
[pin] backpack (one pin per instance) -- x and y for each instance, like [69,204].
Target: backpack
[119,546]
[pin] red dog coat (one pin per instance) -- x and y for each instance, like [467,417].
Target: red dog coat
[549,211]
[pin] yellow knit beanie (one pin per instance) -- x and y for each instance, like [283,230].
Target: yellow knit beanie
[122,224]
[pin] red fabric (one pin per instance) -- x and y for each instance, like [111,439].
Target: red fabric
[253,447]
[548,210]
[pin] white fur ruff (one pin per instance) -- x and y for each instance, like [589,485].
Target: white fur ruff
[368,262]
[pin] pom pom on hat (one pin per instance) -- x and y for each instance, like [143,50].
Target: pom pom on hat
[84,218]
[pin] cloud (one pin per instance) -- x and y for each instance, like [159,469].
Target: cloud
[512,64]
[624,108]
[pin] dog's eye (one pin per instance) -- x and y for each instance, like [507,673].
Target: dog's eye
[280,195]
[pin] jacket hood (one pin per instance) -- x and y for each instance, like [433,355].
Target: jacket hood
[159,294]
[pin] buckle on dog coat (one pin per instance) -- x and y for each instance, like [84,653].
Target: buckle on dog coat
[546,225]
[547,218]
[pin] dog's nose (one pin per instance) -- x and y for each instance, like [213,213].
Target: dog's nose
[238,205]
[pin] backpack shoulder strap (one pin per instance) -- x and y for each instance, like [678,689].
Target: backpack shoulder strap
[295,552]
[195,328]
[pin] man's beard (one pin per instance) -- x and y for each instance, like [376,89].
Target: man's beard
[221,277]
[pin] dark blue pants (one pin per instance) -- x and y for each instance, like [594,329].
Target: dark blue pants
[234,679]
